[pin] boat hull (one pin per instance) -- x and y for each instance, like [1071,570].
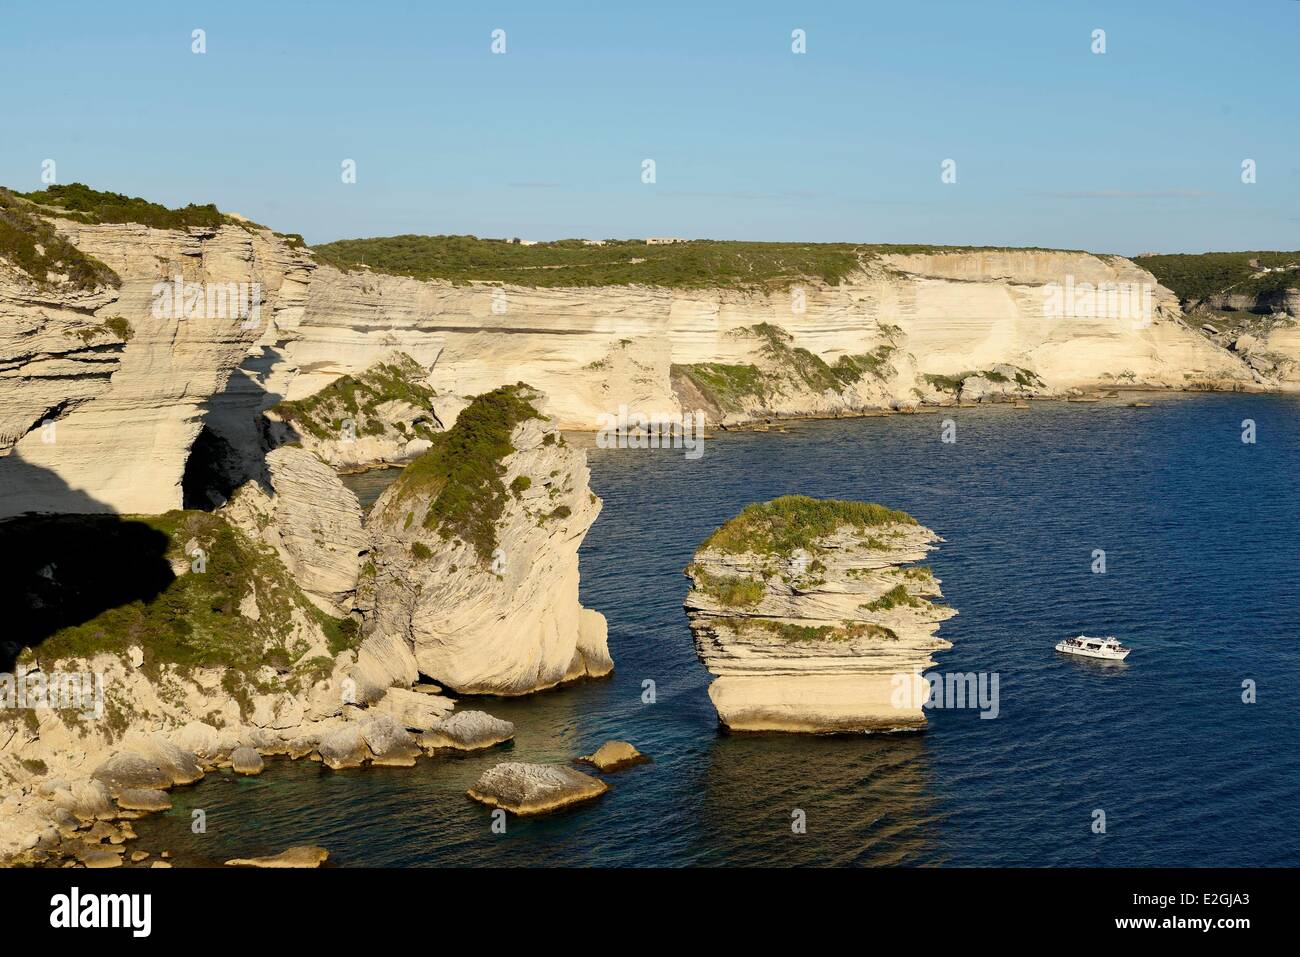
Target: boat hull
[1102,654]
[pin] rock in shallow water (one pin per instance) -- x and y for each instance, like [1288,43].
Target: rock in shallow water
[526,789]
[294,857]
[143,799]
[614,756]
[343,747]
[246,761]
[390,744]
[171,758]
[127,770]
[467,731]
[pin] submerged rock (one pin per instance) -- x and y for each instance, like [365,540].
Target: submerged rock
[614,756]
[295,857]
[467,731]
[814,619]
[526,789]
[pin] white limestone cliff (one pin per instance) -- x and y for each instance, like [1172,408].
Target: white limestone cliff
[135,398]
[128,405]
[489,604]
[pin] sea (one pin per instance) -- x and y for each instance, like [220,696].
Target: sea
[1161,525]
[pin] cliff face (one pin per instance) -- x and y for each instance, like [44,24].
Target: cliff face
[475,561]
[136,398]
[125,376]
[813,618]
[901,319]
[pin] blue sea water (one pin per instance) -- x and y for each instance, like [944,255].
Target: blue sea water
[1201,534]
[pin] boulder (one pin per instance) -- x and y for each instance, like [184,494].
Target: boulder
[412,710]
[200,739]
[247,761]
[390,744]
[614,756]
[527,789]
[343,747]
[180,763]
[143,799]
[467,731]
[87,800]
[128,770]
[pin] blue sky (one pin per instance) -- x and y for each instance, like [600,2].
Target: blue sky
[1138,149]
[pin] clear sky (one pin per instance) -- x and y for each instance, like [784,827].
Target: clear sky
[1137,149]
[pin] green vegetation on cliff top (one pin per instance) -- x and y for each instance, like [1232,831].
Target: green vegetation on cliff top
[79,202]
[791,522]
[695,264]
[462,473]
[1195,277]
[33,246]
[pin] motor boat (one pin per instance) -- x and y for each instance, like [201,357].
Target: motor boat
[1107,648]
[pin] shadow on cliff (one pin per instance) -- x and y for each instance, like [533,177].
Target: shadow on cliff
[62,570]
[231,447]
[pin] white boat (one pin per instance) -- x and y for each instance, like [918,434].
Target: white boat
[1108,648]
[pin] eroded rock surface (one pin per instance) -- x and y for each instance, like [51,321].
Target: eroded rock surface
[294,857]
[527,789]
[614,756]
[814,617]
[476,554]
[467,731]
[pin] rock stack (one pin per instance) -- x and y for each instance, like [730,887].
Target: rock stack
[814,618]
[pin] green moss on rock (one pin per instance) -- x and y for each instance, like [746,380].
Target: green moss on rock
[792,522]
[358,397]
[461,475]
[188,621]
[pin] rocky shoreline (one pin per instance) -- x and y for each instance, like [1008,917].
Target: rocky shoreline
[336,616]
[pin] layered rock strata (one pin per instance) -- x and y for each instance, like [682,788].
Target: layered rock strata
[813,617]
[476,554]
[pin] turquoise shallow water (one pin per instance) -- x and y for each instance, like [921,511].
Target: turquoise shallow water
[1202,537]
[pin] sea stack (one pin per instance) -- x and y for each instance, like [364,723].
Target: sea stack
[815,618]
[475,560]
